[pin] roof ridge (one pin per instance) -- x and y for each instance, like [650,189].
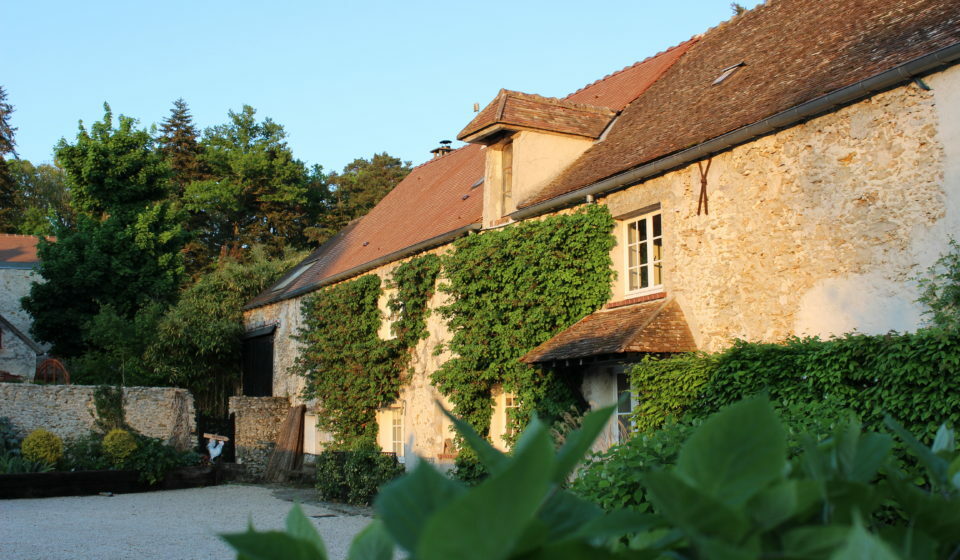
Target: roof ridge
[634,65]
[437,158]
[560,101]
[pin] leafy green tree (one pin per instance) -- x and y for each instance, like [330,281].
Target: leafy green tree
[8,187]
[197,342]
[256,193]
[179,143]
[355,191]
[125,249]
[43,198]
[940,289]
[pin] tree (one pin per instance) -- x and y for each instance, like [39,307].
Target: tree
[197,342]
[43,199]
[354,192]
[256,193]
[179,144]
[125,249]
[8,187]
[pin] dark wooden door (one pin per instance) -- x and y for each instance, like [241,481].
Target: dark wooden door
[258,366]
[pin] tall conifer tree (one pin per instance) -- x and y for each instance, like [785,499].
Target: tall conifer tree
[180,145]
[9,200]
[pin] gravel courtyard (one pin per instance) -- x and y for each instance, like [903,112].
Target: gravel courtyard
[173,525]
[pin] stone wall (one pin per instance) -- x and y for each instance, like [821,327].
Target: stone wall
[257,422]
[68,411]
[16,356]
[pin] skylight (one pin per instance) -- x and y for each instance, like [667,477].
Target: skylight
[293,276]
[727,72]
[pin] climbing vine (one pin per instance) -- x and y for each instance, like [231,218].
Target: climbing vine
[512,289]
[350,370]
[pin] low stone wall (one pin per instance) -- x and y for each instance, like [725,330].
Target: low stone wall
[68,410]
[257,422]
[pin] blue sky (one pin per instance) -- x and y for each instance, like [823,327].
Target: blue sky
[346,79]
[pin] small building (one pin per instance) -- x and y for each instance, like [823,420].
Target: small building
[18,271]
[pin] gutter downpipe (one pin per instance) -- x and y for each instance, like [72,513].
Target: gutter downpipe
[379,261]
[781,120]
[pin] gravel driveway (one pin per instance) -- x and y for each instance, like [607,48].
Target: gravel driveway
[173,525]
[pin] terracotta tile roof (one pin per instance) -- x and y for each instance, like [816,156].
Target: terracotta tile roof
[18,251]
[620,88]
[654,326]
[512,110]
[793,50]
[436,198]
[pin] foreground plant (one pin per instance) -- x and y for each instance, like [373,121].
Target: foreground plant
[733,494]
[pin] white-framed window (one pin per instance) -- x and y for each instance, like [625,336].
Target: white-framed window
[625,404]
[643,262]
[396,432]
[510,402]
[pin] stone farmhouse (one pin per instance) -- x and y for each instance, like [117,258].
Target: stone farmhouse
[788,172]
[18,262]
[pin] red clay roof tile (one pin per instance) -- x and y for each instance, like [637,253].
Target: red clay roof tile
[18,249]
[512,109]
[655,326]
[793,50]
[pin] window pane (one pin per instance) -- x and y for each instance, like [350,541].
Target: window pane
[634,279]
[656,226]
[642,227]
[632,257]
[643,253]
[657,274]
[644,277]
[624,427]
[631,234]
[657,249]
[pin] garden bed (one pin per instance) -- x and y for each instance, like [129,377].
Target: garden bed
[82,483]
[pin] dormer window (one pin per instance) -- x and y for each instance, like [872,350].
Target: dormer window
[506,177]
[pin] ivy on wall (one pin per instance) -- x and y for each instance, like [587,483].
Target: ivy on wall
[512,289]
[666,388]
[350,370]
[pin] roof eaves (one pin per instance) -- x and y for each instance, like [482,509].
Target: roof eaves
[431,243]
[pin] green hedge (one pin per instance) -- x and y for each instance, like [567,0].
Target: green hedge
[914,377]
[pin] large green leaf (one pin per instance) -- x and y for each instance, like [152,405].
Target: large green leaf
[271,545]
[578,442]
[693,510]
[859,456]
[299,527]
[861,545]
[788,499]
[935,465]
[736,452]
[491,457]
[406,504]
[810,543]
[564,514]
[487,522]
[373,543]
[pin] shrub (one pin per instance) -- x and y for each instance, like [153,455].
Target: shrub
[153,459]
[42,446]
[118,445]
[355,476]
[9,441]
[11,463]
[85,453]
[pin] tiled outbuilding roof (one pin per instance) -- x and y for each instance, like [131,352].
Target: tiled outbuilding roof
[512,110]
[18,251]
[791,51]
[655,326]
